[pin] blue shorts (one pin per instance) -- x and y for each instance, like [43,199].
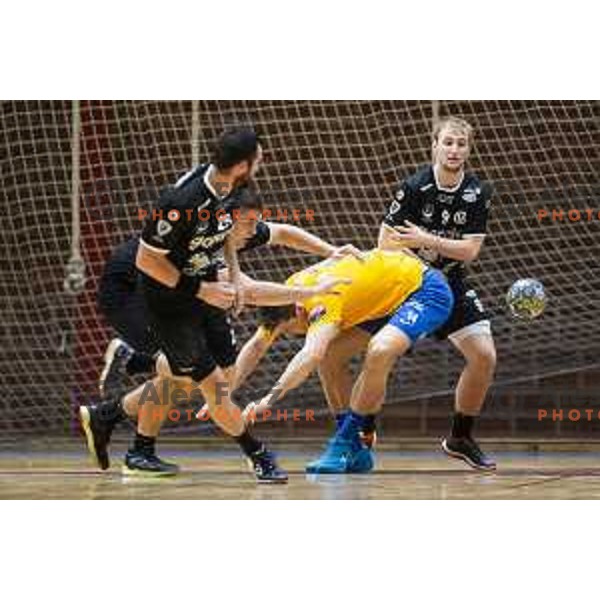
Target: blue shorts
[423,312]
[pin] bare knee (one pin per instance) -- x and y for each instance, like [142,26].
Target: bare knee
[483,359]
[380,354]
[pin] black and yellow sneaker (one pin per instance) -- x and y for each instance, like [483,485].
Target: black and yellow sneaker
[143,464]
[98,427]
[265,468]
[466,449]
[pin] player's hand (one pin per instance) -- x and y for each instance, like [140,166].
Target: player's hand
[348,250]
[217,293]
[413,236]
[327,285]
[256,409]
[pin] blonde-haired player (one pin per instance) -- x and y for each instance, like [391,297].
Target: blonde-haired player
[441,212]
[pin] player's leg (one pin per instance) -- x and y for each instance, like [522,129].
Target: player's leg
[425,311]
[133,351]
[334,372]
[476,344]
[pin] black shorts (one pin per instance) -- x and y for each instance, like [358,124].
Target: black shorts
[195,337]
[121,301]
[468,308]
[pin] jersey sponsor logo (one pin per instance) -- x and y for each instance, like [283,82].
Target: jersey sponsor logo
[445,198]
[196,264]
[400,195]
[445,217]
[427,213]
[207,241]
[470,195]
[460,218]
[394,208]
[163,228]
[224,223]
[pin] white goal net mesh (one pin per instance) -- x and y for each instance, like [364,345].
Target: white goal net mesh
[339,159]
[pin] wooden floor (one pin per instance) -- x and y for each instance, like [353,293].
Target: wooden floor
[215,474]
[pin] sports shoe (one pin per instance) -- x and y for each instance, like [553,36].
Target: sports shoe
[342,456]
[98,428]
[265,468]
[147,465]
[467,449]
[115,360]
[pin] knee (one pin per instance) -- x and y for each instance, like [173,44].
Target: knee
[484,359]
[380,354]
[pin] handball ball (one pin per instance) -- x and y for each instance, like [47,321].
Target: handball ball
[526,299]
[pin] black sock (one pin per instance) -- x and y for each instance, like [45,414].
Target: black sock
[140,363]
[144,444]
[370,424]
[462,425]
[248,444]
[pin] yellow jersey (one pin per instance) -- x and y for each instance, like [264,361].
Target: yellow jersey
[380,284]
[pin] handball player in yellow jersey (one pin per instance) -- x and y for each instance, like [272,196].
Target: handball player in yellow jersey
[414,299]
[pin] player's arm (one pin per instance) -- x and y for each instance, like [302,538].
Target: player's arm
[253,352]
[297,238]
[235,273]
[266,293]
[466,250]
[301,366]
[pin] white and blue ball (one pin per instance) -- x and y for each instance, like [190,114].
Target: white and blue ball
[526,299]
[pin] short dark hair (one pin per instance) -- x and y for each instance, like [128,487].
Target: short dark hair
[235,145]
[245,198]
[271,316]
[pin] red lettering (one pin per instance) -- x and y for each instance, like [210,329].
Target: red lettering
[204,214]
[157,214]
[310,215]
[310,415]
[142,214]
[542,413]
[557,214]
[574,415]
[174,415]
[557,415]
[282,413]
[574,215]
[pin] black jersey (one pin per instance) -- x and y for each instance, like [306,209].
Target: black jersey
[456,213]
[191,223]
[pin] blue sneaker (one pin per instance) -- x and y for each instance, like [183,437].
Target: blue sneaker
[362,462]
[342,456]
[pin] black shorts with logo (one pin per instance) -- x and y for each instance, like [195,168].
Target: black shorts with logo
[195,337]
[468,308]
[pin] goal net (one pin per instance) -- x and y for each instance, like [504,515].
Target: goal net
[75,173]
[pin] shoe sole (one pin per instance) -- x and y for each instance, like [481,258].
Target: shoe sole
[125,470]
[466,459]
[109,357]
[85,420]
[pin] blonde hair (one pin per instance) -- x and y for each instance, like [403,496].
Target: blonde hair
[454,123]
